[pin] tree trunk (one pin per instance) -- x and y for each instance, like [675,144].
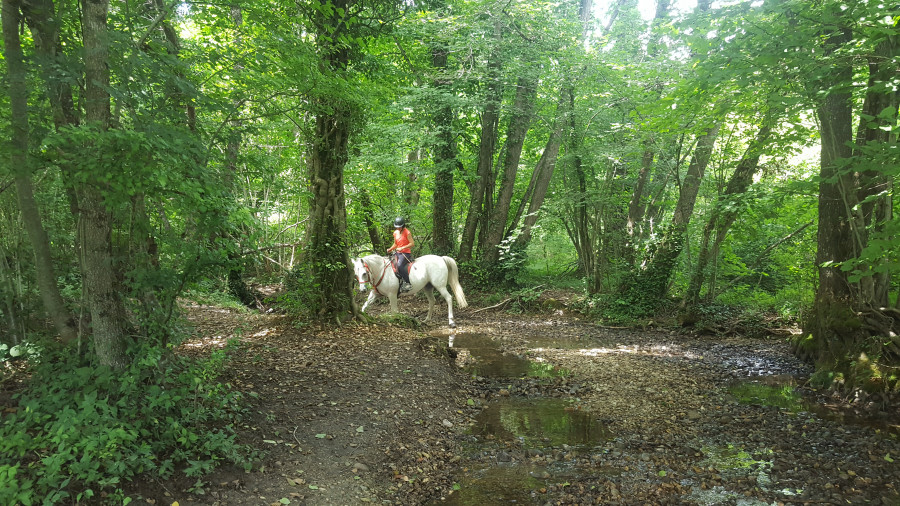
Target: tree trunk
[15,327]
[371,223]
[875,141]
[833,324]
[43,21]
[40,243]
[723,216]
[635,205]
[519,122]
[237,285]
[411,186]
[108,317]
[649,286]
[489,122]
[582,233]
[444,158]
[326,251]
[540,182]
[44,24]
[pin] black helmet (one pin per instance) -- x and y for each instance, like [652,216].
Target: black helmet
[399,223]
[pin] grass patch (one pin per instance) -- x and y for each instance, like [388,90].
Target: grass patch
[784,397]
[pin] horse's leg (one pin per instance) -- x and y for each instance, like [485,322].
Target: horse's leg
[446,295]
[369,299]
[429,294]
[392,296]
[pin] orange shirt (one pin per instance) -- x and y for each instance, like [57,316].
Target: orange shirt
[403,241]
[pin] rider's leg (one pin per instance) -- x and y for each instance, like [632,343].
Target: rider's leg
[403,269]
[403,266]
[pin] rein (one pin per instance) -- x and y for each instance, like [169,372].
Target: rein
[374,283]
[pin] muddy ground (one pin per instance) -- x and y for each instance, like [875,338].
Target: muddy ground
[540,408]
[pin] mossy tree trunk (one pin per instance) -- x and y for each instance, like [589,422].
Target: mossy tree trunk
[19,160]
[519,123]
[100,271]
[648,286]
[833,325]
[724,214]
[444,157]
[326,251]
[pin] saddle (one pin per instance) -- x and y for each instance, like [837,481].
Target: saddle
[408,266]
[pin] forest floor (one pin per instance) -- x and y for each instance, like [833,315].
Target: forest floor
[541,408]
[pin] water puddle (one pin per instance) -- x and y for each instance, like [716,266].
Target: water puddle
[483,356]
[780,392]
[498,485]
[539,423]
[729,457]
[720,495]
[544,341]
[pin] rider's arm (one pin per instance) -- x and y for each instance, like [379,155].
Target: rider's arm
[392,248]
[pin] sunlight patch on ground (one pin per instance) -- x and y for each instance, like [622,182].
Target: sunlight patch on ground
[217,342]
[655,351]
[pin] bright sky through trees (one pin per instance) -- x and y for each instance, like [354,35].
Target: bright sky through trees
[647,8]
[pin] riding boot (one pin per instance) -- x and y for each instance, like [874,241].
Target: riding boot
[405,287]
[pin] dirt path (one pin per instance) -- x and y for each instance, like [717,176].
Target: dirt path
[541,409]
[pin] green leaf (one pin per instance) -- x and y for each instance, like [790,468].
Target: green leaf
[314,487]
[359,429]
[284,500]
[662,473]
[321,436]
[888,458]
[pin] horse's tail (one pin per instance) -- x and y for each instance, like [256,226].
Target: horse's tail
[454,282]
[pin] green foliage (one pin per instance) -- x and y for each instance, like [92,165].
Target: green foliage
[400,320]
[212,292]
[784,397]
[300,296]
[620,309]
[80,430]
[24,350]
[823,378]
[474,274]
[525,300]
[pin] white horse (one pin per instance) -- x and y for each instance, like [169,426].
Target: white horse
[428,272]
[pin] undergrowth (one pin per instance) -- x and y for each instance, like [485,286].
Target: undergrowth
[80,430]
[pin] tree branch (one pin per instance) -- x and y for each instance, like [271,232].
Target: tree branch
[156,21]
[762,255]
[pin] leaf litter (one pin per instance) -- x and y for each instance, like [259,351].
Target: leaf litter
[380,413]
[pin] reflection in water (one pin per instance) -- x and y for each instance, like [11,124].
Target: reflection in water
[485,357]
[539,423]
[495,485]
[779,391]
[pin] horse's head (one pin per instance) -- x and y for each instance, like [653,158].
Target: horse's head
[361,272]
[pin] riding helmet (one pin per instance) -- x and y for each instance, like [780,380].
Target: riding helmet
[399,223]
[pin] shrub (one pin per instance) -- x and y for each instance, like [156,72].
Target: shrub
[81,429]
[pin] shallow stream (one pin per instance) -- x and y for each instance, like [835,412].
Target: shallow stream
[523,445]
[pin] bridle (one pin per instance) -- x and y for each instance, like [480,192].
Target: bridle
[373,283]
